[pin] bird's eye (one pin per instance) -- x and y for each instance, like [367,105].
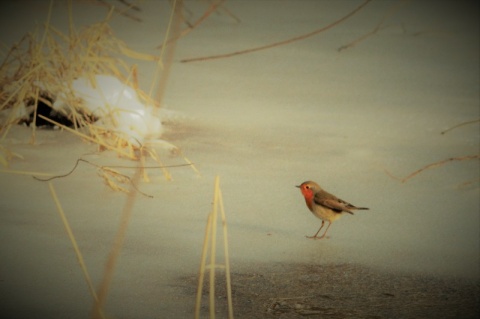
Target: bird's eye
[307,187]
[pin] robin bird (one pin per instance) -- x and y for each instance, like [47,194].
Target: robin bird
[324,205]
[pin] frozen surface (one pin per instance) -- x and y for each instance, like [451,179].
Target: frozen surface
[264,122]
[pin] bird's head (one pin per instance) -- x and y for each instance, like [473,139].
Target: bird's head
[309,188]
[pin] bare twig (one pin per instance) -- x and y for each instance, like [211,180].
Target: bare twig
[458,125]
[230,14]
[212,8]
[432,165]
[288,41]
[115,252]
[109,169]
[123,12]
[130,5]
[379,26]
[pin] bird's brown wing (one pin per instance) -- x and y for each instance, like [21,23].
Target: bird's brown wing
[331,201]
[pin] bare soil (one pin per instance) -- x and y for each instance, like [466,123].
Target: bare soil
[339,291]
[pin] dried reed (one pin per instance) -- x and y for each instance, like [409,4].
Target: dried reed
[120,237]
[210,242]
[12,171]
[115,250]
[69,231]
[6,155]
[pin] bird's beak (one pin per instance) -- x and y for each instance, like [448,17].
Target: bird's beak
[297,186]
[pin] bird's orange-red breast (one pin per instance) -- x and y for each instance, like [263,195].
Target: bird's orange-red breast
[308,195]
[324,205]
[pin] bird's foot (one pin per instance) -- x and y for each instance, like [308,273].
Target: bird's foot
[316,237]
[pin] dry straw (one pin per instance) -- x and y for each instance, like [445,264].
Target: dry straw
[111,262]
[69,231]
[43,65]
[210,245]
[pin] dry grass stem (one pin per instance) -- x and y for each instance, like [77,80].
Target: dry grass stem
[6,155]
[169,50]
[191,26]
[191,165]
[120,146]
[272,45]
[227,256]
[394,9]
[213,251]
[69,231]
[210,244]
[96,139]
[203,259]
[115,250]
[153,154]
[110,175]
[11,171]
[124,12]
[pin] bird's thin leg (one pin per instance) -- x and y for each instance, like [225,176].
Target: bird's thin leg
[329,224]
[315,236]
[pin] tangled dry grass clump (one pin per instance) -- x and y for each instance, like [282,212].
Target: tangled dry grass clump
[43,77]
[40,67]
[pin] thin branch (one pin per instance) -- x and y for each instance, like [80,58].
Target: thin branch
[379,26]
[288,41]
[230,14]
[124,12]
[212,8]
[458,125]
[432,165]
[130,5]
[108,168]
